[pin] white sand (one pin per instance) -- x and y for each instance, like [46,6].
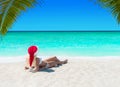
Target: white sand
[77,73]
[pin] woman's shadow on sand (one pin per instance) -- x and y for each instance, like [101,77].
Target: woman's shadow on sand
[49,70]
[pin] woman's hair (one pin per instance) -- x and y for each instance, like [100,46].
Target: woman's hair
[31,51]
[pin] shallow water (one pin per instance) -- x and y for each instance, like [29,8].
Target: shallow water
[62,43]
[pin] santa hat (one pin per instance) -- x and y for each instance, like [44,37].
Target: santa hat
[32,51]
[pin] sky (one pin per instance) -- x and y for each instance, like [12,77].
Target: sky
[66,15]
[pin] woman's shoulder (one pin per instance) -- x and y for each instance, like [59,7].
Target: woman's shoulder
[38,58]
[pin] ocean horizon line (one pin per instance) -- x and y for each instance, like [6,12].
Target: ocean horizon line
[63,31]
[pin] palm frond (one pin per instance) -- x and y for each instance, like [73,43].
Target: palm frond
[10,10]
[114,6]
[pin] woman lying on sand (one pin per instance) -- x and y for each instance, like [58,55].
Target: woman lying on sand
[35,64]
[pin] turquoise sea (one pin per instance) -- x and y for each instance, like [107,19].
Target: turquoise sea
[62,43]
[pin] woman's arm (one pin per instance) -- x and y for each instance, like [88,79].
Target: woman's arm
[26,64]
[37,65]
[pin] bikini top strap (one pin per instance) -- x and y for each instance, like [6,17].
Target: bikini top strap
[40,60]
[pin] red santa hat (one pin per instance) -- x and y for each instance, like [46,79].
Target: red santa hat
[32,51]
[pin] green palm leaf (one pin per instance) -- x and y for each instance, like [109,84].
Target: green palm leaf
[10,10]
[114,6]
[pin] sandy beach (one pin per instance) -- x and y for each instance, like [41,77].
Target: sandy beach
[77,73]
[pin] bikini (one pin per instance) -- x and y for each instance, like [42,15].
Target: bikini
[47,65]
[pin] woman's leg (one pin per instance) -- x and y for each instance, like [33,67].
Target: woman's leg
[63,62]
[51,64]
[55,59]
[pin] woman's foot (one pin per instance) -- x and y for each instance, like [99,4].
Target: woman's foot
[65,61]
